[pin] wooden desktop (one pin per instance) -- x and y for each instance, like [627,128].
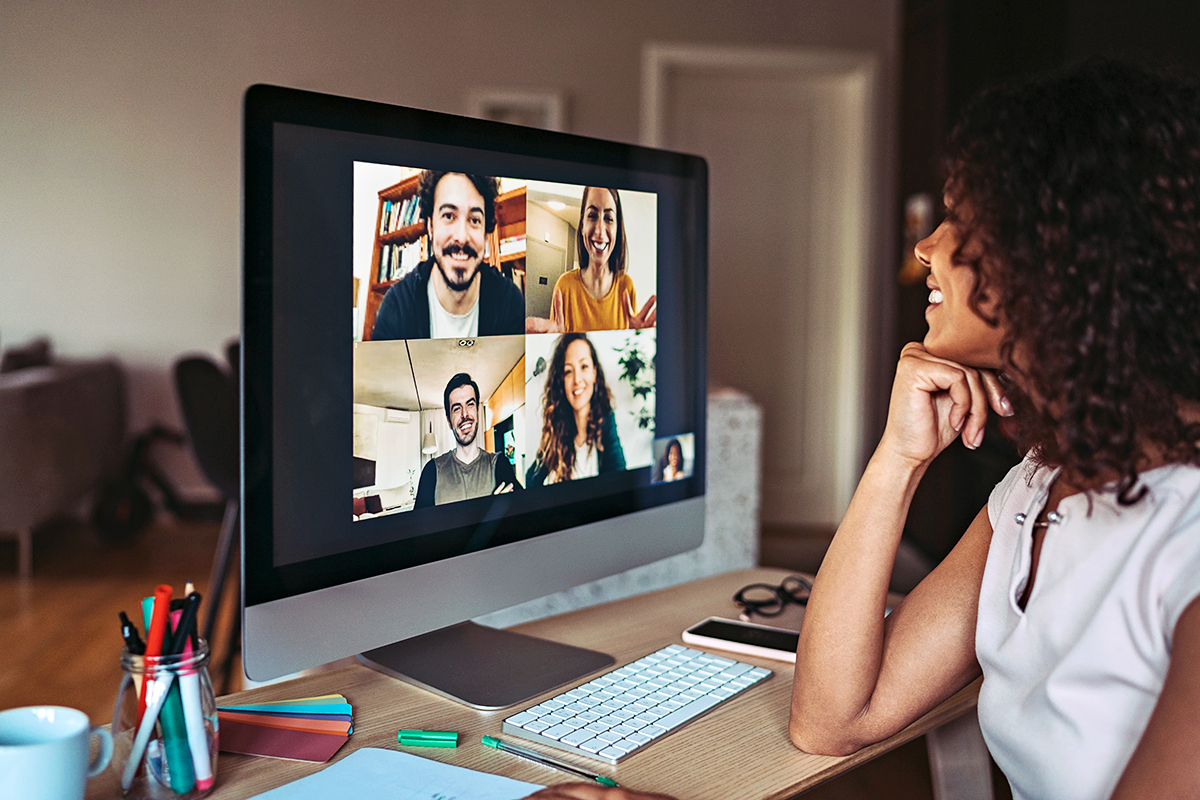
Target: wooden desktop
[740,749]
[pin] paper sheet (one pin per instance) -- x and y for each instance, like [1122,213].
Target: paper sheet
[372,773]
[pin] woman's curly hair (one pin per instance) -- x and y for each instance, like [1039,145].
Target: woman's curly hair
[1083,188]
[557,448]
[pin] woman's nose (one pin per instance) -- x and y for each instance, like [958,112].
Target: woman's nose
[924,249]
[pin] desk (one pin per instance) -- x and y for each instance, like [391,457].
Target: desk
[739,750]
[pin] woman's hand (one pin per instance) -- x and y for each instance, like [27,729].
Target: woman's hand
[591,791]
[645,318]
[934,401]
[553,325]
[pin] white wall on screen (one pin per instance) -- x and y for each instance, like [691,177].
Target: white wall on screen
[369,180]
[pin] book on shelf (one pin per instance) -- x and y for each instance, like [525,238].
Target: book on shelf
[398,214]
[397,260]
[512,244]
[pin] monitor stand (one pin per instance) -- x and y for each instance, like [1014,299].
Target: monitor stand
[485,668]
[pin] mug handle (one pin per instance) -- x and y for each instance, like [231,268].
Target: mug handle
[104,754]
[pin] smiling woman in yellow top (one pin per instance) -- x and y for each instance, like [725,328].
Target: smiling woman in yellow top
[600,294]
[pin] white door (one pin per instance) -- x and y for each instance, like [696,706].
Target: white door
[787,138]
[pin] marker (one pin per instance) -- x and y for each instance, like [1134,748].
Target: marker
[175,744]
[415,738]
[548,761]
[189,688]
[188,590]
[159,690]
[133,641]
[156,630]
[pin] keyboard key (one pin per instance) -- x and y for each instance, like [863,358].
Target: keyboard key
[578,737]
[557,731]
[690,711]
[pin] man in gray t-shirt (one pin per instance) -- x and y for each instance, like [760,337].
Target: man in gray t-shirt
[468,470]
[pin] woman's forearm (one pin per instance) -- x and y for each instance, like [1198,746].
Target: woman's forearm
[841,644]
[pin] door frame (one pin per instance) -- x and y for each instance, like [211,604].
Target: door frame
[862,319]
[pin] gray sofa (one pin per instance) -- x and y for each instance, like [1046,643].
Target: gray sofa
[62,429]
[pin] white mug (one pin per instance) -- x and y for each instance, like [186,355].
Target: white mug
[44,753]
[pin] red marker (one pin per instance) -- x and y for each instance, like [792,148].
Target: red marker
[154,639]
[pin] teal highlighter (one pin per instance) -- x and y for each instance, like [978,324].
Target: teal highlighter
[176,752]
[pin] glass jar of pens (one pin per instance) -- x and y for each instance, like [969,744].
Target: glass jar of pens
[164,724]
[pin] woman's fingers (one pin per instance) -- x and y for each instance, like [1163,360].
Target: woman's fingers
[644,318]
[976,421]
[556,312]
[649,313]
[933,401]
[552,325]
[995,393]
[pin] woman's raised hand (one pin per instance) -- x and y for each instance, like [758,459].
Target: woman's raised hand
[645,318]
[553,325]
[935,401]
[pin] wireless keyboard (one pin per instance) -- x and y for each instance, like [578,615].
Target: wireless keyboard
[612,717]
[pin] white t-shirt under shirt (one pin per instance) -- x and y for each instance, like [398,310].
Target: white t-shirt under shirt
[1070,682]
[587,462]
[443,325]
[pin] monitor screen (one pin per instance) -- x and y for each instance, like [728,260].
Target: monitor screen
[513,402]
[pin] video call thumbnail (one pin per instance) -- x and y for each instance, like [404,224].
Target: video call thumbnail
[674,458]
[504,335]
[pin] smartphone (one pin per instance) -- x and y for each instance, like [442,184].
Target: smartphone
[744,637]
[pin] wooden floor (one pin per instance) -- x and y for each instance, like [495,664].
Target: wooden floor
[60,631]
[60,641]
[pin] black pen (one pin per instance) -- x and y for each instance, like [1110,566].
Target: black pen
[187,623]
[129,632]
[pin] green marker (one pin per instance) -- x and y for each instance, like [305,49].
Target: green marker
[415,738]
[548,761]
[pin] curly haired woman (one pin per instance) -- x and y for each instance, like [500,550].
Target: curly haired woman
[1065,293]
[1068,265]
[579,428]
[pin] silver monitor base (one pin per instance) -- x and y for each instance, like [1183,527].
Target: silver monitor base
[485,668]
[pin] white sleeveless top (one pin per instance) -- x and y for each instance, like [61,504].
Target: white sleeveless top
[1069,683]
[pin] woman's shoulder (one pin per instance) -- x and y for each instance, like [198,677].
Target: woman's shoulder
[569,281]
[1026,478]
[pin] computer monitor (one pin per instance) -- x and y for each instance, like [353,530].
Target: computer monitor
[386,500]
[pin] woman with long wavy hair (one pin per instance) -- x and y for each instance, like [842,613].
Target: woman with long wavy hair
[579,427]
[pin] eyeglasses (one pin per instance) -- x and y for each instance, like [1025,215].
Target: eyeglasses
[769,601]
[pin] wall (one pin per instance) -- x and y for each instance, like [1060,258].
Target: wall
[120,132]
